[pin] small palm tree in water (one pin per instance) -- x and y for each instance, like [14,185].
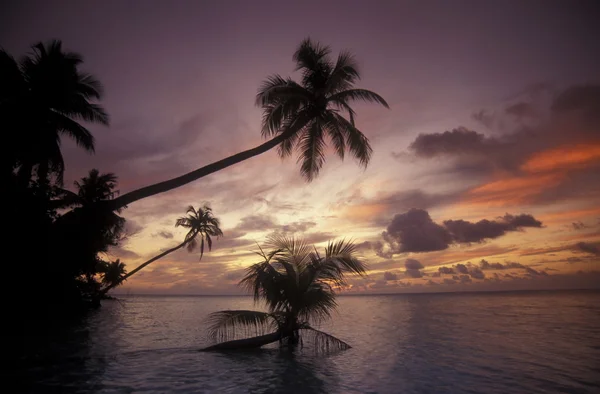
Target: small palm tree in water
[297,284]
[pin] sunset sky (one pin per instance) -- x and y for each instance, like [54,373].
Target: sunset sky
[490,151]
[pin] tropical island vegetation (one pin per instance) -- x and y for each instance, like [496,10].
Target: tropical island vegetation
[46,97]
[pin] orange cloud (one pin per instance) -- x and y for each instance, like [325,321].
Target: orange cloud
[513,190]
[564,157]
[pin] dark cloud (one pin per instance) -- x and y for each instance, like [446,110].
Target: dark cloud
[467,232]
[571,122]
[163,234]
[461,268]
[459,141]
[584,99]
[578,225]
[449,281]
[476,273]
[446,270]
[532,272]
[389,276]
[521,110]
[465,279]
[415,231]
[413,268]
[413,264]
[588,248]
[485,265]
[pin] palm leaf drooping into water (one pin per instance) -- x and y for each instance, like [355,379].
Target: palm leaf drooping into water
[297,284]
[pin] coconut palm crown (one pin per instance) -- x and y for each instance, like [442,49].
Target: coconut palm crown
[297,284]
[311,111]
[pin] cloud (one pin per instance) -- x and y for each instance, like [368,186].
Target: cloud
[553,156]
[446,270]
[122,253]
[413,268]
[459,141]
[588,248]
[485,265]
[268,223]
[476,273]
[389,276]
[521,110]
[467,232]
[163,234]
[465,279]
[256,223]
[415,231]
[461,268]
[579,225]
[532,272]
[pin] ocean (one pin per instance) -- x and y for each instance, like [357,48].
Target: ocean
[520,342]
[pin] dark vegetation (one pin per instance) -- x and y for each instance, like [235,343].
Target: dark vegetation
[57,239]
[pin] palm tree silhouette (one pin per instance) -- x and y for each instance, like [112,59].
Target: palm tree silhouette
[297,285]
[202,224]
[45,97]
[87,230]
[299,116]
[112,273]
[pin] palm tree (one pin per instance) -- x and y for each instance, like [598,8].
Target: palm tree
[297,284]
[299,116]
[202,224]
[45,97]
[88,230]
[112,273]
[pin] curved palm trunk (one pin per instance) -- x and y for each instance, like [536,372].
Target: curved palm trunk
[165,186]
[248,343]
[153,259]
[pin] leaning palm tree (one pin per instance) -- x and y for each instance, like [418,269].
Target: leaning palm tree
[297,285]
[45,98]
[300,117]
[201,224]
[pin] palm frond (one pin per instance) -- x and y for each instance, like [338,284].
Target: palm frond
[323,342]
[295,127]
[312,151]
[233,324]
[80,134]
[357,142]
[276,90]
[312,59]
[344,74]
[359,95]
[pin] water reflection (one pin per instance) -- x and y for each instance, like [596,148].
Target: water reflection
[409,344]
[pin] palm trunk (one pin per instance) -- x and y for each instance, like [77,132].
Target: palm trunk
[248,343]
[153,259]
[165,186]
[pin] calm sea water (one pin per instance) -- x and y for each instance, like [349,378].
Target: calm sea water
[451,343]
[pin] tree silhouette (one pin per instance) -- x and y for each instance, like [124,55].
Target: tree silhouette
[201,224]
[297,285]
[299,116]
[43,98]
